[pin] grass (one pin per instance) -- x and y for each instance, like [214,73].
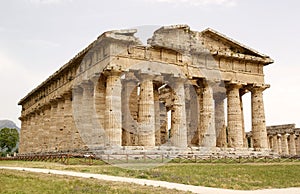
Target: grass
[230,176]
[26,182]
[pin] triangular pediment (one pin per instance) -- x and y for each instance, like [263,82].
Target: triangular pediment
[219,42]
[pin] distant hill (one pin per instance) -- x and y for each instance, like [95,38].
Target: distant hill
[8,124]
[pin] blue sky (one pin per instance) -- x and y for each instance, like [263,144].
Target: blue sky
[39,36]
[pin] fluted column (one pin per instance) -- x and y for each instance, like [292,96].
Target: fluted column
[99,106]
[243,121]
[38,130]
[279,143]
[292,144]
[128,123]
[47,124]
[30,127]
[284,144]
[220,122]
[146,115]
[77,116]
[234,117]
[53,126]
[157,118]
[259,130]
[297,141]
[87,113]
[23,136]
[42,129]
[270,142]
[34,143]
[113,110]
[275,143]
[60,133]
[178,116]
[207,135]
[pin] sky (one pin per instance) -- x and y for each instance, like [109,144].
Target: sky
[38,36]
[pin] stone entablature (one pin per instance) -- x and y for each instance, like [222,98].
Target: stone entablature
[186,72]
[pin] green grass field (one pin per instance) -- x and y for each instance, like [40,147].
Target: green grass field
[28,183]
[231,176]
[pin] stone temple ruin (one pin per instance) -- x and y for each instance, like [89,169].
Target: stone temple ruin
[120,94]
[282,139]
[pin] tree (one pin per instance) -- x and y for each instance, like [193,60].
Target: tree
[8,139]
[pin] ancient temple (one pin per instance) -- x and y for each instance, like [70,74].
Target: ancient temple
[120,93]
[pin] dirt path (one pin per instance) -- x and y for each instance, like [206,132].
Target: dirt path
[182,187]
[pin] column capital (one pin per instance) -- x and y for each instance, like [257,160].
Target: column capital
[77,89]
[255,87]
[112,73]
[219,96]
[233,85]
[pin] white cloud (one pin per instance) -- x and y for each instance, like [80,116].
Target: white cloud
[228,3]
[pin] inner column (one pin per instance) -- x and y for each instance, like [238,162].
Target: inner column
[146,114]
[178,116]
[207,136]
[220,121]
[284,144]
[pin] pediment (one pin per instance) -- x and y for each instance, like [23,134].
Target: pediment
[216,41]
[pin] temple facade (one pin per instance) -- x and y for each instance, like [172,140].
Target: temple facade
[120,93]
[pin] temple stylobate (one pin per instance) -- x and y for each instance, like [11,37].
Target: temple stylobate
[119,93]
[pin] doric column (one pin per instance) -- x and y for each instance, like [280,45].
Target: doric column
[69,125]
[30,128]
[234,117]
[292,144]
[34,131]
[47,124]
[53,126]
[37,131]
[77,116]
[157,118]
[87,131]
[259,130]
[129,125]
[113,110]
[178,116]
[43,128]
[279,143]
[284,144]
[245,144]
[23,136]
[297,141]
[99,106]
[60,133]
[207,135]
[275,143]
[146,115]
[270,142]
[126,116]
[220,122]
